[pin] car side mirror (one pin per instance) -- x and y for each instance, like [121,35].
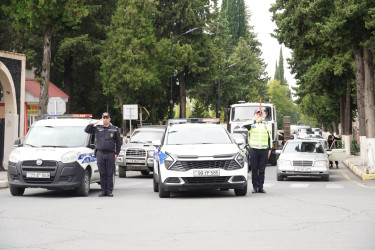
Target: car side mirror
[329,152]
[239,141]
[278,151]
[92,145]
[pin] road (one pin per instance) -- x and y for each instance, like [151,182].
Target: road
[294,214]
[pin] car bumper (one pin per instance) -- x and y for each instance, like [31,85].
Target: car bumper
[191,183]
[62,176]
[137,165]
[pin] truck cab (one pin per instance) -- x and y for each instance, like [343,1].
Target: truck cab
[240,113]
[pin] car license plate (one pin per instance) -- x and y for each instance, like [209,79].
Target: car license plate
[206,172]
[302,169]
[134,161]
[37,175]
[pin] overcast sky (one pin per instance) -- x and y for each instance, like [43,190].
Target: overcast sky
[263,27]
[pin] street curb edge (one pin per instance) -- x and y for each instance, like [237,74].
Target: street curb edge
[358,172]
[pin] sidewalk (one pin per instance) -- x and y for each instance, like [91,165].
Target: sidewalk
[358,167]
[3,179]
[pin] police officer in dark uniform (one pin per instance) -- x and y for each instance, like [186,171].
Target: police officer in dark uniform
[108,145]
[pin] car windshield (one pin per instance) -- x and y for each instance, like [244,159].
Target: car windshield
[181,135]
[245,113]
[146,136]
[303,147]
[50,136]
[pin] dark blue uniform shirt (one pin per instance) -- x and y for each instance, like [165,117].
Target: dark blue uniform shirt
[108,139]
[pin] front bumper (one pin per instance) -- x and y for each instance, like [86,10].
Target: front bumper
[136,164]
[313,171]
[190,183]
[62,175]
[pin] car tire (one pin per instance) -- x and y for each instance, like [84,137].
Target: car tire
[162,192]
[145,172]
[325,178]
[84,188]
[17,191]
[121,172]
[273,159]
[241,192]
[280,177]
[155,184]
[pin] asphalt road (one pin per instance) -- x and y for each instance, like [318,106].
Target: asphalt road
[294,214]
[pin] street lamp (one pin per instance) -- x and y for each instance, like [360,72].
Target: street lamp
[171,100]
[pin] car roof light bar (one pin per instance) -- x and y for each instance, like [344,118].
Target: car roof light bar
[68,116]
[194,120]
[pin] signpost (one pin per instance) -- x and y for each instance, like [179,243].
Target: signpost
[130,112]
[56,106]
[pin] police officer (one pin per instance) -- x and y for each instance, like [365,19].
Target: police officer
[108,145]
[260,143]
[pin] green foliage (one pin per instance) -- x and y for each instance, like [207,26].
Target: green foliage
[354,148]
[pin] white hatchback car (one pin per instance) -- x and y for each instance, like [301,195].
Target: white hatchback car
[198,155]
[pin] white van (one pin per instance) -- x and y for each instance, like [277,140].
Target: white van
[57,154]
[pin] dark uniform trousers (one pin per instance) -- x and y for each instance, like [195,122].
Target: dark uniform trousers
[258,161]
[106,165]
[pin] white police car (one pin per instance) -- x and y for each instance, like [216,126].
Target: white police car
[198,155]
[56,154]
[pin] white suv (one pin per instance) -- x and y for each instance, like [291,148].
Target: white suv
[57,154]
[198,155]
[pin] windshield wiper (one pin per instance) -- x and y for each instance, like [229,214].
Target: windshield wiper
[53,146]
[136,142]
[30,145]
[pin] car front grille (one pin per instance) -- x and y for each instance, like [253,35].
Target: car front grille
[46,166]
[302,163]
[203,180]
[136,152]
[222,164]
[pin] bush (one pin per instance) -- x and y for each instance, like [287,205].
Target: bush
[354,148]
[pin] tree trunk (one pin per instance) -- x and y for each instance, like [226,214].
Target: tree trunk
[360,81]
[45,74]
[347,128]
[121,102]
[181,79]
[369,93]
[342,114]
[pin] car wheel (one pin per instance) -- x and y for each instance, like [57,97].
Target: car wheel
[280,177]
[84,188]
[121,171]
[241,192]
[163,193]
[145,172]
[325,178]
[273,159]
[155,184]
[17,191]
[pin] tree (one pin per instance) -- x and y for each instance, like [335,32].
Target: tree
[127,59]
[48,16]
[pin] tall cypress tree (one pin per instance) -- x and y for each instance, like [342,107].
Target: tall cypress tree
[281,69]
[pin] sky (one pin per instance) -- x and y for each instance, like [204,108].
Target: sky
[263,27]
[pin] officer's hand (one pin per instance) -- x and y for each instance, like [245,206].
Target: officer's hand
[259,119]
[269,154]
[96,122]
[115,157]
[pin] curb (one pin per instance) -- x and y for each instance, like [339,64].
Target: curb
[4,184]
[358,171]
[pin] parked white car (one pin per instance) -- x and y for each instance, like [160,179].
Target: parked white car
[197,155]
[56,154]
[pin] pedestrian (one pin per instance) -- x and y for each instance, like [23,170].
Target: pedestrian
[108,145]
[332,143]
[260,143]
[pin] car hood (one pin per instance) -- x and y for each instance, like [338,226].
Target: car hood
[52,154]
[303,156]
[202,150]
[138,145]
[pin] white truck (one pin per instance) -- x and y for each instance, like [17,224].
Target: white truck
[239,114]
[57,154]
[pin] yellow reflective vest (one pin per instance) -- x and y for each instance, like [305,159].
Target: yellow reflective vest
[259,135]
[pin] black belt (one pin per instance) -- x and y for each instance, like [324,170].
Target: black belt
[104,151]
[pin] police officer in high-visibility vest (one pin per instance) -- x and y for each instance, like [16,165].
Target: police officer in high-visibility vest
[260,143]
[108,145]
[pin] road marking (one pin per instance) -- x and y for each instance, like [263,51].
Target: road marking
[355,182]
[334,186]
[268,184]
[299,185]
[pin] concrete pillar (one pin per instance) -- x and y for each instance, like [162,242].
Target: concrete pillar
[11,126]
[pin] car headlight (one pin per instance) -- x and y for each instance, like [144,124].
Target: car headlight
[150,154]
[168,161]
[320,164]
[71,156]
[15,156]
[284,163]
[241,159]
